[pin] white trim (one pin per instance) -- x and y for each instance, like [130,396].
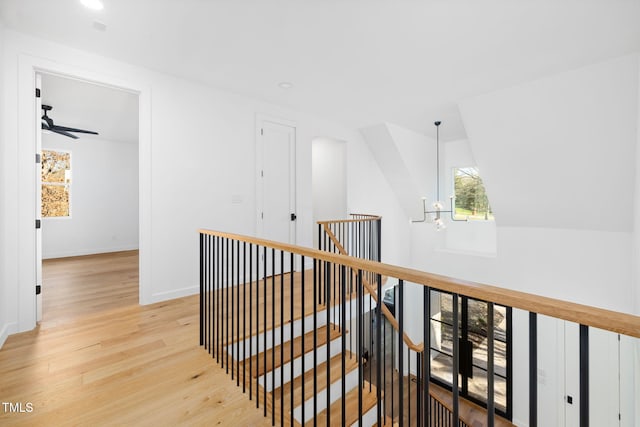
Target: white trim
[92,251]
[177,293]
[28,66]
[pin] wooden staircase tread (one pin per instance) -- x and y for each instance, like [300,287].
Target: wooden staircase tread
[351,364]
[369,400]
[284,350]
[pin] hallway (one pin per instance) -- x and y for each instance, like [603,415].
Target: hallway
[98,358]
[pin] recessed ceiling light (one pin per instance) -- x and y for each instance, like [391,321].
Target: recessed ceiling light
[93,4]
[285,85]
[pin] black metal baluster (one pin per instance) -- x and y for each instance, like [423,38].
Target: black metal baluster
[426,368]
[302,298]
[219,296]
[409,384]
[344,338]
[400,314]
[584,376]
[418,389]
[378,350]
[291,315]
[384,364]
[244,317]
[250,321]
[315,342]
[231,284]
[379,240]
[226,309]
[273,335]
[328,307]
[213,296]
[456,360]
[257,335]
[202,299]
[393,361]
[207,313]
[282,339]
[237,344]
[360,300]
[533,370]
[370,341]
[490,365]
[264,327]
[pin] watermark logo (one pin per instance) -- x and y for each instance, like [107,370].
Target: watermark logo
[17,407]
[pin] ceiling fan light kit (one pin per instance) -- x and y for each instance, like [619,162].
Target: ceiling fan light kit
[48,124]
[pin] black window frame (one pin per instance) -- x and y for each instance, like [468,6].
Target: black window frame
[463,389]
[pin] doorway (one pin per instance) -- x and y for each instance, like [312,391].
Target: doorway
[276,171]
[329,180]
[87,193]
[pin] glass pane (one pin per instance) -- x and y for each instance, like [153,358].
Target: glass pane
[55,200]
[471,200]
[478,388]
[446,309]
[56,166]
[441,368]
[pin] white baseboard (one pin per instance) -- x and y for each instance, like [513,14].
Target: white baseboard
[177,293]
[6,330]
[90,251]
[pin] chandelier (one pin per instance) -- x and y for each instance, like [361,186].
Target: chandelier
[435,215]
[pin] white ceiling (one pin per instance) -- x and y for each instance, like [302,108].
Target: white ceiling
[111,112]
[358,62]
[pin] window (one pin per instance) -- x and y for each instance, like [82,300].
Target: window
[56,184]
[470,195]
[472,333]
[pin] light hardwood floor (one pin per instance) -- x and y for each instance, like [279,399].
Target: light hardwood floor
[98,358]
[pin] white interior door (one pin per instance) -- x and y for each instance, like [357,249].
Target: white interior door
[38,204]
[277,213]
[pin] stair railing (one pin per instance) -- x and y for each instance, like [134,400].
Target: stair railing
[304,361]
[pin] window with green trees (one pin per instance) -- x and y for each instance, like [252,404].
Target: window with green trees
[471,200]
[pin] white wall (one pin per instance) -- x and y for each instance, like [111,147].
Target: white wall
[475,237]
[329,179]
[104,198]
[559,152]
[197,151]
[560,231]
[545,245]
[3,201]
[369,192]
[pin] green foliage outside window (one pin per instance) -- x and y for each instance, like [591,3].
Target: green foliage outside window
[470,195]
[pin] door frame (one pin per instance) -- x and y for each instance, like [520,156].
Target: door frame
[260,119]
[28,67]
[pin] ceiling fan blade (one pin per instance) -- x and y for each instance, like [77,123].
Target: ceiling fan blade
[68,129]
[61,132]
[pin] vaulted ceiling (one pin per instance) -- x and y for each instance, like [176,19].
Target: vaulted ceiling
[357,62]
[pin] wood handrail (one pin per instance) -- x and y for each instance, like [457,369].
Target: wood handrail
[622,323]
[343,221]
[387,313]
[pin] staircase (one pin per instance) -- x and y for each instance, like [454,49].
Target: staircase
[302,365]
[313,345]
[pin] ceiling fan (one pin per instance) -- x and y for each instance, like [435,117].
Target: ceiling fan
[47,124]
